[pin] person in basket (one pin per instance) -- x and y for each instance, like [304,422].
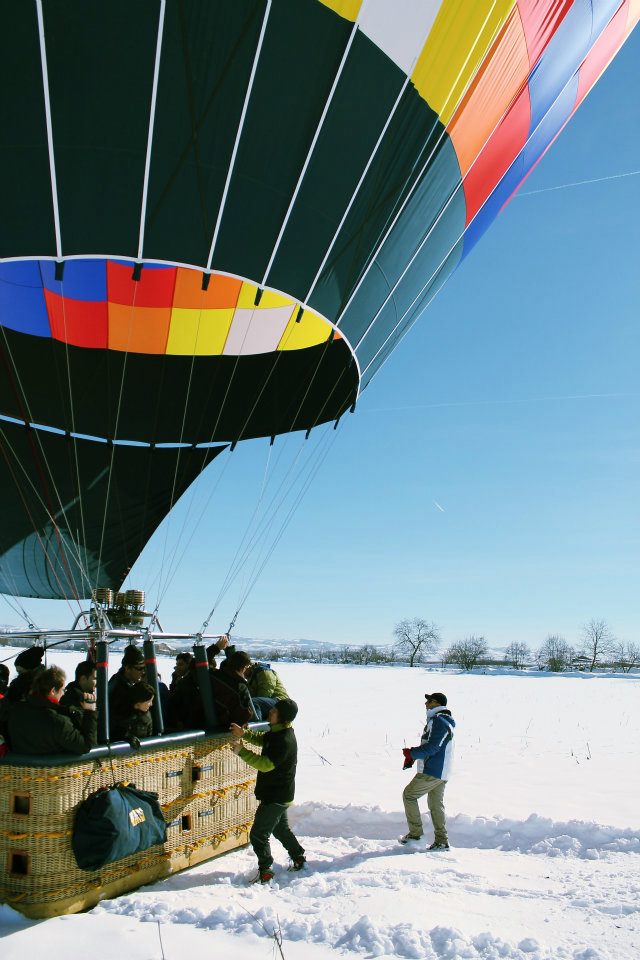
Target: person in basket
[434,757]
[275,785]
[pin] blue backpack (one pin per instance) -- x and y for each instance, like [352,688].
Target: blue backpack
[116,822]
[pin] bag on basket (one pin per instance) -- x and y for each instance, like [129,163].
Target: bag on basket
[116,822]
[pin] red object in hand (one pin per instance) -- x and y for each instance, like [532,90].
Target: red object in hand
[408,759]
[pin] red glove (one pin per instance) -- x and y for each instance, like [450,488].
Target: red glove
[408,759]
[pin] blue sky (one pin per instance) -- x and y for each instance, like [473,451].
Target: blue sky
[489,479]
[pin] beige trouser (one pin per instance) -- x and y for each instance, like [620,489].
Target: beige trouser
[422,783]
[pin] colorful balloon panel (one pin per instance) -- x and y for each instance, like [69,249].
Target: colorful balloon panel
[98,304]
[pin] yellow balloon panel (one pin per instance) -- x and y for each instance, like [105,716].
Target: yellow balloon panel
[198,332]
[348,9]
[309,331]
[269,298]
[462,34]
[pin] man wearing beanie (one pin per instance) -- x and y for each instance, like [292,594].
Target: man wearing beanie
[120,684]
[275,785]
[434,756]
[28,663]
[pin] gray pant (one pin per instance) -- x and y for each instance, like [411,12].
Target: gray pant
[422,783]
[271,819]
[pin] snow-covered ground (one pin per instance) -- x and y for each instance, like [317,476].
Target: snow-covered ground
[544,822]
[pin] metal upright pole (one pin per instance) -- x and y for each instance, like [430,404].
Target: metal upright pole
[204,685]
[102,688]
[149,650]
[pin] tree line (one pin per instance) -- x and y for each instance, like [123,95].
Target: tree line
[597,646]
[417,641]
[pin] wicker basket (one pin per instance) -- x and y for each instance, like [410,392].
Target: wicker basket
[207,798]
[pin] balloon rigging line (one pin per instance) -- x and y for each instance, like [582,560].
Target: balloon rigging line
[363,175]
[47,110]
[175,473]
[176,561]
[240,435]
[162,592]
[236,144]
[312,146]
[21,397]
[427,162]
[173,567]
[432,227]
[247,421]
[259,567]
[28,512]
[259,539]
[171,574]
[115,433]
[48,508]
[260,498]
[85,566]
[18,608]
[260,533]
[578,183]
[263,535]
[356,190]
[332,438]
[152,118]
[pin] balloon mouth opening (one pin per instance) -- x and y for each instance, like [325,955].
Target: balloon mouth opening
[154,308]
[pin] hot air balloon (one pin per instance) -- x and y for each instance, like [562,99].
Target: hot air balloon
[219,218]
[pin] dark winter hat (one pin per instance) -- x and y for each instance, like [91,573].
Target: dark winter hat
[132,656]
[287,710]
[30,659]
[438,697]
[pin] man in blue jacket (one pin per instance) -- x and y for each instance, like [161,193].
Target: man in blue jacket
[434,756]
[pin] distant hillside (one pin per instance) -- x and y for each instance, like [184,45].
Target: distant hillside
[248,643]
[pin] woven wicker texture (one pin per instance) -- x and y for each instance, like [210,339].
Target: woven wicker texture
[205,791]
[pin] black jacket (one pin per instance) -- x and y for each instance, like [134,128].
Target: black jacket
[19,687]
[119,688]
[185,704]
[73,696]
[278,785]
[39,726]
[137,724]
[231,696]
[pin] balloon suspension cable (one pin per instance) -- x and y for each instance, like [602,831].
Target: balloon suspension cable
[47,508]
[257,536]
[17,607]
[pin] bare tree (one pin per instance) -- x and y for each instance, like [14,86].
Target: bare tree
[626,655]
[555,654]
[597,641]
[466,653]
[517,654]
[416,638]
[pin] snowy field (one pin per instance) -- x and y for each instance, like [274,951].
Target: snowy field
[544,822]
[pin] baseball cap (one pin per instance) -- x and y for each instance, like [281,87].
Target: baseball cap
[438,697]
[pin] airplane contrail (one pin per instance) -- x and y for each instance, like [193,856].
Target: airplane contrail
[441,509]
[473,403]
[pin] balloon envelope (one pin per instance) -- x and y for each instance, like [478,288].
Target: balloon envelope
[220,217]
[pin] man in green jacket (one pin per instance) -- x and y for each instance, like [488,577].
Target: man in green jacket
[265,687]
[275,785]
